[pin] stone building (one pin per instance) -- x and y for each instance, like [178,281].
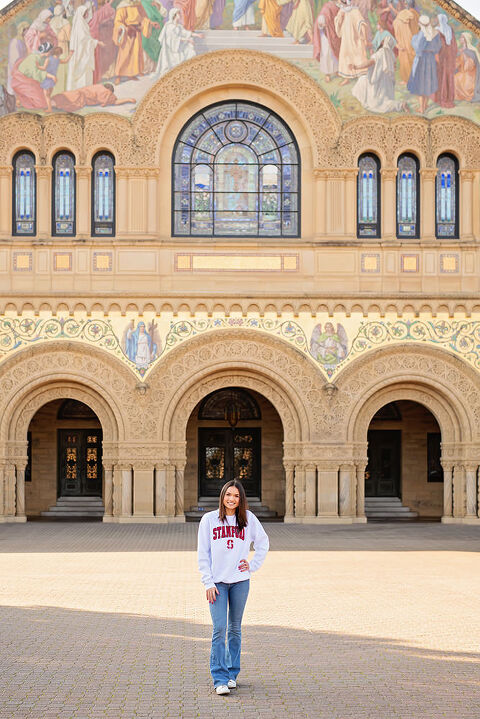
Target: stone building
[222,256]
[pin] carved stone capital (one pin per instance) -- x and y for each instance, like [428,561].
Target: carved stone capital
[389,173]
[429,173]
[83,171]
[44,171]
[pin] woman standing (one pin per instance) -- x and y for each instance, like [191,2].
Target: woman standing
[224,539]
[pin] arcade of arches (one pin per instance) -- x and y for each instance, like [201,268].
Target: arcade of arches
[400,423]
[237,267]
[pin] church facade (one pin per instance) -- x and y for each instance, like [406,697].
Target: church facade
[223,258]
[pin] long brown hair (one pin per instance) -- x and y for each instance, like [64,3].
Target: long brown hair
[241,510]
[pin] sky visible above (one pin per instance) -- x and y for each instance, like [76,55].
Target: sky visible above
[473,6]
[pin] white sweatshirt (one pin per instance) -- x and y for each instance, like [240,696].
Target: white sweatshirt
[221,547]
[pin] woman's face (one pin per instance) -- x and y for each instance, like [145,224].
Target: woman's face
[231,499]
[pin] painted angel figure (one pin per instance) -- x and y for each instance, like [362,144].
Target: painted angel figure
[329,347]
[140,346]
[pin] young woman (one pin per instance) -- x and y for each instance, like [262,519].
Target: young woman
[224,539]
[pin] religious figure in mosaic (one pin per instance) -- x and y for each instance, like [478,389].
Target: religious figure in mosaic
[140,346]
[329,346]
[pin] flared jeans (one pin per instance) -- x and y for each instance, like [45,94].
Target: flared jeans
[227,613]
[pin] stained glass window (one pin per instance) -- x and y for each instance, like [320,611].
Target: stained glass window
[408,197]
[447,196]
[368,196]
[236,172]
[63,194]
[24,194]
[103,195]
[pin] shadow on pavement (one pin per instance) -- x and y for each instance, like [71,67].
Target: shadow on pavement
[68,663]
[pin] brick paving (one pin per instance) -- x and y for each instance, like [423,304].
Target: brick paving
[108,621]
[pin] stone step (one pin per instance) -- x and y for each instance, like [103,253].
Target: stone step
[251,40]
[387,508]
[76,507]
[73,513]
[73,505]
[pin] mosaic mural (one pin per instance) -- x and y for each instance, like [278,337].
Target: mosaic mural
[329,343]
[374,56]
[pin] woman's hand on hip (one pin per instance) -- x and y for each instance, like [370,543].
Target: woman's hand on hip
[212,594]
[244,565]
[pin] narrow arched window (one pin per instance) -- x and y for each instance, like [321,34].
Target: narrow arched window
[447,196]
[103,195]
[24,194]
[408,197]
[236,173]
[64,195]
[368,196]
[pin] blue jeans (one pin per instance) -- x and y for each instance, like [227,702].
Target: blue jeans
[225,661]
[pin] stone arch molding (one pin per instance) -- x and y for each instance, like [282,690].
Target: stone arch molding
[441,382]
[262,363]
[36,376]
[244,68]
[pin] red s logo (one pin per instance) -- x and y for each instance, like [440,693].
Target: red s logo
[230,544]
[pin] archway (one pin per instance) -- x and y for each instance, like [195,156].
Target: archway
[404,474]
[234,433]
[63,475]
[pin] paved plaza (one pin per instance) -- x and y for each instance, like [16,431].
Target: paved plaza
[110,621]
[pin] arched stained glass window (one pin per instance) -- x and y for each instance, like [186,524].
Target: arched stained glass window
[236,173]
[24,194]
[408,197]
[63,216]
[447,196]
[103,195]
[368,196]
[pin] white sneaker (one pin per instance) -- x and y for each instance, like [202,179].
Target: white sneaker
[222,689]
[232,684]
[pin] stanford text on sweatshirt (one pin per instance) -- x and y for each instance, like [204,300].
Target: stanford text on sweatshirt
[221,547]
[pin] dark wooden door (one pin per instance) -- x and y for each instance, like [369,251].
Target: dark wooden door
[382,476]
[226,454]
[80,462]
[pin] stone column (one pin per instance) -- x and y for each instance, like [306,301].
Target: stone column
[6,201]
[427,203]
[170,498]
[466,204]
[10,482]
[458,491]
[447,489]
[351,202]
[288,490]
[161,491]
[20,492]
[327,494]
[361,489]
[44,193]
[117,491]
[143,491]
[389,200]
[310,491]
[299,491]
[122,200]
[126,491]
[345,490]
[84,210]
[2,492]
[320,207]
[179,491]
[471,489]
[108,490]
[152,176]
